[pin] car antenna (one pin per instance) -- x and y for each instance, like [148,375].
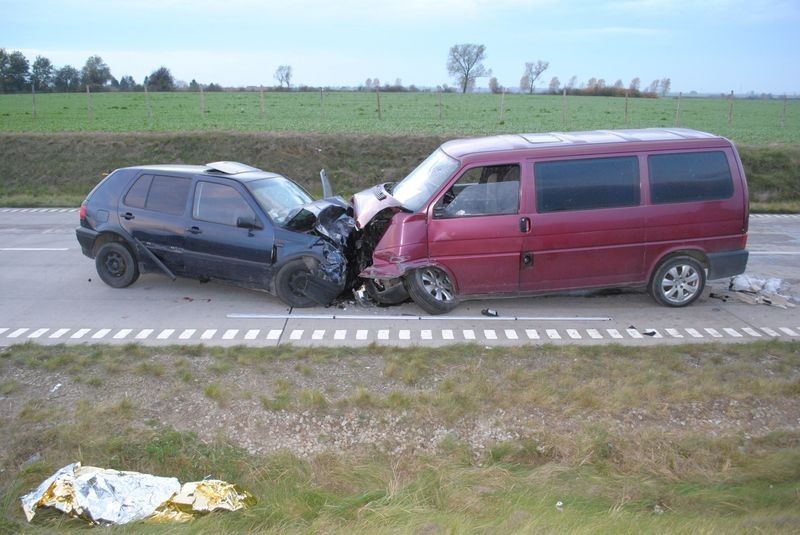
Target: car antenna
[327,189]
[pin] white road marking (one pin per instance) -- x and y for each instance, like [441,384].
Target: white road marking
[511,334]
[208,334]
[34,249]
[37,333]
[752,332]
[788,331]
[123,333]
[230,334]
[3,329]
[713,332]
[19,332]
[274,334]
[574,334]
[58,334]
[469,334]
[296,334]
[410,317]
[775,253]
[447,334]
[404,334]
[732,332]
[613,333]
[362,334]
[694,333]
[633,333]
[769,331]
[553,334]
[426,334]
[675,333]
[489,334]
[383,334]
[101,333]
[252,334]
[318,334]
[594,334]
[143,334]
[340,334]
[532,334]
[166,333]
[80,333]
[186,334]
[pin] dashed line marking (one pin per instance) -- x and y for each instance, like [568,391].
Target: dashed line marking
[143,334]
[3,329]
[383,334]
[208,334]
[694,333]
[340,334]
[19,332]
[675,333]
[121,334]
[511,334]
[186,334]
[552,334]
[574,334]
[274,334]
[752,332]
[37,333]
[101,333]
[713,332]
[252,334]
[404,334]
[788,331]
[594,334]
[732,332]
[318,334]
[447,334]
[58,334]
[633,333]
[426,334]
[653,333]
[296,334]
[532,334]
[469,334]
[230,334]
[613,333]
[166,333]
[362,334]
[490,334]
[769,331]
[80,333]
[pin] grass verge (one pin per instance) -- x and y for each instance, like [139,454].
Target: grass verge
[695,438]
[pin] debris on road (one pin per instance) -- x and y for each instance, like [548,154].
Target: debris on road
[760,291]
[490,312]
[104,496]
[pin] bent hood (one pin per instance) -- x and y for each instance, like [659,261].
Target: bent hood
[367,203]
[330,217]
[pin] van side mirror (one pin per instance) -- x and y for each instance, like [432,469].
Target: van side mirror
[438,211]
[248,222]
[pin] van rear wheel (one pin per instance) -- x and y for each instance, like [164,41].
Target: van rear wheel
[431,289]
[678,281]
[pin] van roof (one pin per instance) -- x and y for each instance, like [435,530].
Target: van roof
[462,147]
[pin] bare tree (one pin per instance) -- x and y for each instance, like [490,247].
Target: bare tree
[618,85]
[665,85]
[653,87]
[555,84]
[494,85]
[532,73]
[465,64]
[283,75]
[635,83]
[572,82]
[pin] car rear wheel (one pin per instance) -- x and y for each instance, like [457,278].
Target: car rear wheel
[116,265]
[432,289]
[678,281]
[291,282]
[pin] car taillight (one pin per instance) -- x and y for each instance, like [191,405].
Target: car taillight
[83,211]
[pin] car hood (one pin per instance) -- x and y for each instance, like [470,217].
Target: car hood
[367,203]
[330,217]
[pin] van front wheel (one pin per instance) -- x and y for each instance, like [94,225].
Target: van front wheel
[678,281]
[432,290]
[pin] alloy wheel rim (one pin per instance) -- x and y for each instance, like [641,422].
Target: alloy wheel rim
[437,284]
[680,283]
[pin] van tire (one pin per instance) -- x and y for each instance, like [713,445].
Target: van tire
[289,283]
[116,265]
[431,289]
[678,281]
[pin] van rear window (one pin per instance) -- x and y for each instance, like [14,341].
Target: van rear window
[689,176]
[587,184]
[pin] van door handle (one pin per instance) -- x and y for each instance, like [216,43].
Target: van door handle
[128,216]
[524,224]
[194,230]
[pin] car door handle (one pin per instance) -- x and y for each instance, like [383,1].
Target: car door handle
[128,216]
[524,224]
[194,230]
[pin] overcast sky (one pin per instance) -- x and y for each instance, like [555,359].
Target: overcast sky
[703,45]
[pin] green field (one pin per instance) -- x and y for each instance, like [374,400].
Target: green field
[754,122]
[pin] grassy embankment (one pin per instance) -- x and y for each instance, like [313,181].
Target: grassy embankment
[631,440]
[60,169]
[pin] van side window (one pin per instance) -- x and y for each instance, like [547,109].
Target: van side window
[160,193]
[586,184]
[488,190]
[217,203]
[689,176]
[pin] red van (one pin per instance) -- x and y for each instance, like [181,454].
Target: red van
[663,208]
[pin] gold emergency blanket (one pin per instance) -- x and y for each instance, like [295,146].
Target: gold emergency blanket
[103,496]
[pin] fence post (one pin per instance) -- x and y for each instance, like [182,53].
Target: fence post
[147,103]
[89,109]
[783,113]
[33,94]
[261,99]
[440,106]
[626,107]
[378,96]
[730,109]
[678,110]
[202,102]
[321,105]
[564,108]
[502,106]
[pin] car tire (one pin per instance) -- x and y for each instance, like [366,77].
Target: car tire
[116,265]
[290,281]
[386,295]
[431,289]
[678,281]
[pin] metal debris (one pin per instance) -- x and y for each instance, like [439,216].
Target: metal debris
[103,496]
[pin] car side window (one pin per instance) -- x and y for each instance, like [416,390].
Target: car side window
[488,190]
[218,203]
[586,184]
[166,194]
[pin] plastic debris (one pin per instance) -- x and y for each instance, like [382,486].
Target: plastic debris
[758,291]
[490,312]
[560,506]
[103,496]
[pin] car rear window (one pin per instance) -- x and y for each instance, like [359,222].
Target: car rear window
[689,176]
[585,184]
[166,194]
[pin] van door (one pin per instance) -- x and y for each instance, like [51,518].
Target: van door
[588,225]
[474,229]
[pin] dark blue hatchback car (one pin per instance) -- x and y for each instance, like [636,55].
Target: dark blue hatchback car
[224,221]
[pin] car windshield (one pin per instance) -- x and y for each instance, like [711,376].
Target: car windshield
[278,196]
[419,186]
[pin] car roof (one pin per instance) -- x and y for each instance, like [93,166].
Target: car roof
[463,147]
[235,170]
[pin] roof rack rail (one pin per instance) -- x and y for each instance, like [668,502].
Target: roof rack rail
[230,168]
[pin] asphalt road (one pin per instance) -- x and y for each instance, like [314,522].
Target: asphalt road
[50,293]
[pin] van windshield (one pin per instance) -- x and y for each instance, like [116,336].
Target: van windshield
[419,186]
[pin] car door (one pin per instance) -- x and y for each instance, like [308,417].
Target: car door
[588,225]
[152,211]
[474,229]
[216,247]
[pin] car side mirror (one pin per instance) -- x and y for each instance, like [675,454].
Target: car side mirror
[248,222]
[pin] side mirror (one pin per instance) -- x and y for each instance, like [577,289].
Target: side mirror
[248,222]
[439,211]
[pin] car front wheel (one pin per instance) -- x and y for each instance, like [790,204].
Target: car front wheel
[431,289]
[116,265]
[291,282]
[678,281]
